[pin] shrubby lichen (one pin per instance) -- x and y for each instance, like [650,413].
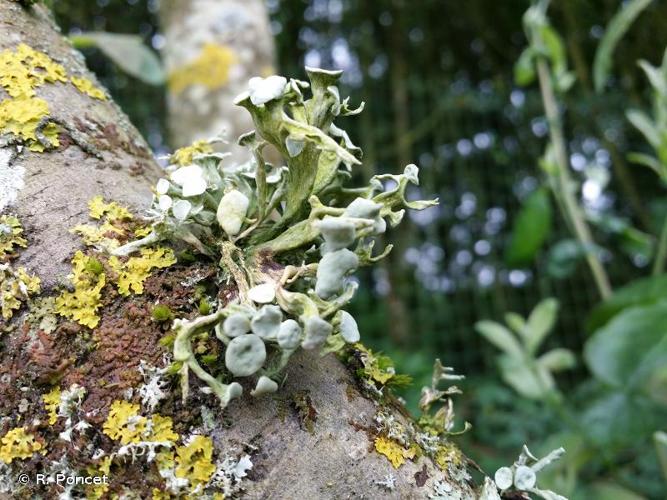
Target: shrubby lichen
[255,218]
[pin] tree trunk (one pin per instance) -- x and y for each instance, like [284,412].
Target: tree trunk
[316,438]
[212,48]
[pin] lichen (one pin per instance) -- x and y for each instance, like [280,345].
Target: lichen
[98,208]
[22,71]
[394,451]
[124,424]
[185,155]
[131,274]
[82,304]
[16,287]
[18,443]
[52,403]
[194,460]
[88,87]
[209,69]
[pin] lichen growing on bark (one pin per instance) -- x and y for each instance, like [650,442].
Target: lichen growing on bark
[23,114]
[209,69]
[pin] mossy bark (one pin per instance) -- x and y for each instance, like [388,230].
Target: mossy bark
[313,439]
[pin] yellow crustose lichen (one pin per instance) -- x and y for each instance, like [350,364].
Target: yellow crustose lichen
[87,87]
[394,451]
[132,273]
[52,403]
[82,304]
[104,236]
[23,114]
[124,424]
[16,285]
[18,443]
[210,69]
[185,155]
[11,237]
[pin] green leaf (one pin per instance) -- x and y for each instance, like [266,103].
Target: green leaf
[501,337]
[532,384]
[532,227]
[660,440]
[524,69]
[617,420]
[632,240]
[626,352]
[557,360]
[616,28]
[639,293]
[564,257]
[540,322]
[516,322]
[645,125]
[647,161]
[128,52]
[611,491]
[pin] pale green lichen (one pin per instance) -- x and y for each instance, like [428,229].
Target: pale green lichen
[245,215]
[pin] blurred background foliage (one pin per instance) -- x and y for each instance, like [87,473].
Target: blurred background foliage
[438,80]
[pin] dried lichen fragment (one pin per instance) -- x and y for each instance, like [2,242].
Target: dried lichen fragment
[133,272]
[394,451]
[193,461]
[210,69]
[18,443]
[82,304]
[88,87]
[185,156]
[52,403]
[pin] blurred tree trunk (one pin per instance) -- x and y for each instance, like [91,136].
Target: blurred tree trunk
[314,439]
[401,236]
[212,48]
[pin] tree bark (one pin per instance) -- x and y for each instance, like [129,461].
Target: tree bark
[314,439]
[212,48]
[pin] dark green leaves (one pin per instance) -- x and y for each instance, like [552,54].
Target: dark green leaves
[532,227]
[631,349]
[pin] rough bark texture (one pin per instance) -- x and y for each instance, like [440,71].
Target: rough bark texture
[100,153]
[313,439]
[212,48]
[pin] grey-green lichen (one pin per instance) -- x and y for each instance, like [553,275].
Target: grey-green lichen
[286,237]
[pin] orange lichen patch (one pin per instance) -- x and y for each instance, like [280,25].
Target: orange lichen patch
[184,156]
[394,451]
[18,443]
[210,69]
[88,87]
